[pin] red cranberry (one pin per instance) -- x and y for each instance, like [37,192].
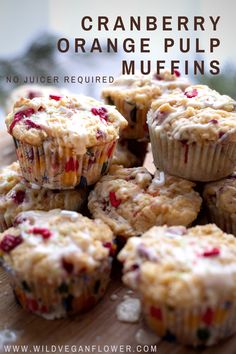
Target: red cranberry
[33,94]
[45,233]
[101,112]
[71,165]
[9,242]
[221,134]
[213,121]
[69,267]
[54,97]
[158,77]
[134,267]
[19,116]
[113,200]
[32,305]
[191,94]
[111,247]
[207,317]
[177,73]
[18,197]
[156,312]
[110,150]
[215,251]
[31,124]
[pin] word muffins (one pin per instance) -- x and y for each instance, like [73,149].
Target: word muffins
[62,142]
[59,261]
[193,133]
[187,281]
[131,200]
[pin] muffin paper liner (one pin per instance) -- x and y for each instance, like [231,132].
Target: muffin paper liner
[226,221]
[72,295]
[136,117]
[197,326]
[57,167]
[196,161]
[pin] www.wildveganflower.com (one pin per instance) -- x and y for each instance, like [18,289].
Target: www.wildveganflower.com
[92,348]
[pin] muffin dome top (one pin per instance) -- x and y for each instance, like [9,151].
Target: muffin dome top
[182,267]
[32,91]
[57,243]
[17,195]
[222,193]
[198,114]
[142,89]
[77,122]
[131,200]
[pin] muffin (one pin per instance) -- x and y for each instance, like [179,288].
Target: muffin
[133,94]
[62,142]
[58,261]
[131,200]
[187,281]
[17,195]
[220,201]
[193,133]
[32,91]
[130,153]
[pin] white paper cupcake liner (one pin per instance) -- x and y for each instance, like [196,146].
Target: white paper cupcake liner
[70,296]
[197,161]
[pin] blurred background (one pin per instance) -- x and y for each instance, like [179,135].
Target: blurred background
[30,30]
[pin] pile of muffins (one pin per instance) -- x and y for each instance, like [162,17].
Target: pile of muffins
[79,194]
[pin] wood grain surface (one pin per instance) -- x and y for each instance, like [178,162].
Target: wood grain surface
[99,326]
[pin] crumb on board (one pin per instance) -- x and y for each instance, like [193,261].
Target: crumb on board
[146,337]
[114,297]
[129,310]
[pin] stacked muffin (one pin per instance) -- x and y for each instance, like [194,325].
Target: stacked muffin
[185,277]
[59,260]
[132,95]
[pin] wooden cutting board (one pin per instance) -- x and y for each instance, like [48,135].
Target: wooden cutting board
[99,326]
